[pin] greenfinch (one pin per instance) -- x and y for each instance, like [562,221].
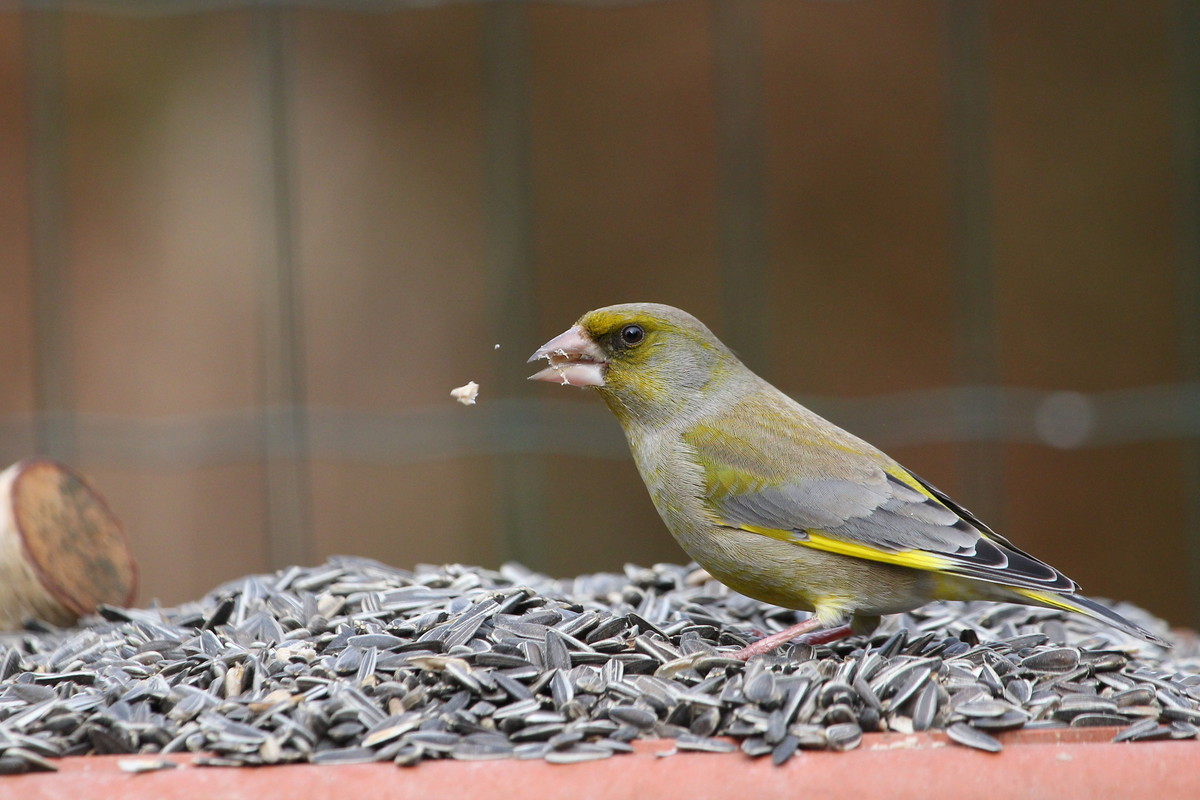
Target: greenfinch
[780,504]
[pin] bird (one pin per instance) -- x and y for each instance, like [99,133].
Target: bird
[780,504]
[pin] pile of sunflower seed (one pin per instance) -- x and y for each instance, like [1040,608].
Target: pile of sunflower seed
[354,661]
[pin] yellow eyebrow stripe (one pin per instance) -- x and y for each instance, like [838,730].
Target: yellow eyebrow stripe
[916,559]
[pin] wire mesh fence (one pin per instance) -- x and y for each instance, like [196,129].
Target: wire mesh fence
[253,245]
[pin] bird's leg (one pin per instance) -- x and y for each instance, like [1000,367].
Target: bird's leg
[828,635]
[808,626]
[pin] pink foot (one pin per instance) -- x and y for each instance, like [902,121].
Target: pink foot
[805,631]
[828,635]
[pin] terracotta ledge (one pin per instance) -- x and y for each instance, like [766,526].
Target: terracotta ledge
[1058,764]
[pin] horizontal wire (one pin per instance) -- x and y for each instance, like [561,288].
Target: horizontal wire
[171,8]
[1065,420]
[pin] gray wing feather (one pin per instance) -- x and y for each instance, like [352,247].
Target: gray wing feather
[891,516]
[885,514]
[835,483]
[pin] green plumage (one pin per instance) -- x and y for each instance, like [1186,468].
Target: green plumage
[779,503]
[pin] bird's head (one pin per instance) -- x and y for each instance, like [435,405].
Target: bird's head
[648,361]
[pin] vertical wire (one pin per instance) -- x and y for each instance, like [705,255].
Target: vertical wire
[42,33]
[1185,32]
[519,478]
[741,169]
[285,423]
[968,118]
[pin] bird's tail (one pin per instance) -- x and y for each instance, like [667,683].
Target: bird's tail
[1090,608]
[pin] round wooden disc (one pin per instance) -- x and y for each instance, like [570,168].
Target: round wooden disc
[74,543]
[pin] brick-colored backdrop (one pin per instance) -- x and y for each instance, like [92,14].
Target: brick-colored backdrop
[245,254]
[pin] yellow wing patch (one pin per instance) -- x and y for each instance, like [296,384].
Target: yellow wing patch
[899,474]
[916,559]
[1053,600]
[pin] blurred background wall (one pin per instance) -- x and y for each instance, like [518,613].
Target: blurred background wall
[246,250]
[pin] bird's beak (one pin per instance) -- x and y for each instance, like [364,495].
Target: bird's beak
[575,360]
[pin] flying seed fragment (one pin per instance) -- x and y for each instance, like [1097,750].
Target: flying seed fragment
[466,394]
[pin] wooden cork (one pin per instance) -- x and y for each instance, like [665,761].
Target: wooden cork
[62,552]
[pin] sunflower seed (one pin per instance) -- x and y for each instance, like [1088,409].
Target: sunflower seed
[1136,696]
[347,755]
[981,707]
[915,681]
[354,660]
[481,750]
[756,746]
[968,736]
[632,715]
[1059,659]
[705,744]
[925,708]
[1096,720]
[760,688]
[578,754]
[706,722]
[1073,705]
[17,760]
[1018,691]
[1181,714]
[1009,720]
[843,736]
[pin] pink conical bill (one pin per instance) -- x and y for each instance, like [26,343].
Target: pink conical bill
[575,360]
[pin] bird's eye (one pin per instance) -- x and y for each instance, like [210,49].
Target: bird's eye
[632,334]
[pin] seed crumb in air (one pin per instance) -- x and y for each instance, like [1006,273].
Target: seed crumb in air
[466,394]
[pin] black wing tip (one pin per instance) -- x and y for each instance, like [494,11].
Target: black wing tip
[1103,613]
[995,563]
